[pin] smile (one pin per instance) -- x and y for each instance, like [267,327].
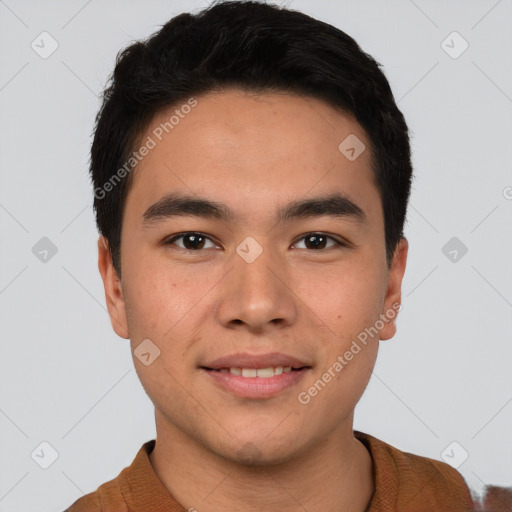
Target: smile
[256,383]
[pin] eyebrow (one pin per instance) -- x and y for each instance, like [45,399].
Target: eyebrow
[175,204]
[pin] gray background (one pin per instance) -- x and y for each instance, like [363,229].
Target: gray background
[67,379]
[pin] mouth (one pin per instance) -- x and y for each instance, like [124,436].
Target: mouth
[256,376]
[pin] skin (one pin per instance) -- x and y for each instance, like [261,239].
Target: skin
[255,153]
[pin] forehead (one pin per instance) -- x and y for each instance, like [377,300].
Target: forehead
[252,149]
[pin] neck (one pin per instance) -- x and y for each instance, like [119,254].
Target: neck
[334,475]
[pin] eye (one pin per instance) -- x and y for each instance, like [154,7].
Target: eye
[319,241]
[194,241]
[191,241]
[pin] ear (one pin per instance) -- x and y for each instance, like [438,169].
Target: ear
[394,290]
[113,290]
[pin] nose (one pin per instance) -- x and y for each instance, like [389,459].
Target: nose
[258,296]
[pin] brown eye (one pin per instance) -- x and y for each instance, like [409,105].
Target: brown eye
[191,241]
[318,241]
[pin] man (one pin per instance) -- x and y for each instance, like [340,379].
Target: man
[251,173]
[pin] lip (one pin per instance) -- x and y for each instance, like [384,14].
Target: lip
[256,387]
[258,361]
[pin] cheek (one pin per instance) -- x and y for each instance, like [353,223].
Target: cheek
[158,312]
[167,306]
[346,298]
[159,297]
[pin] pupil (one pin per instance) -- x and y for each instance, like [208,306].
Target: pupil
[196,241]
[309,240]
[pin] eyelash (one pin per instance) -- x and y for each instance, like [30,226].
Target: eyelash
[338,244]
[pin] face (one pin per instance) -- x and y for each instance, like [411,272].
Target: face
[253,278]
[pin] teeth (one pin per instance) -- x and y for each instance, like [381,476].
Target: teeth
[264,373]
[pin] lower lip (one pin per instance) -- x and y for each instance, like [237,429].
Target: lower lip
[256,387]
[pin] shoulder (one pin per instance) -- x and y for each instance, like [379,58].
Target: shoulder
[107,498]
[496,499]
[412,482]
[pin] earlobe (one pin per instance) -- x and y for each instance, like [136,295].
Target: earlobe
[393,299]
[113,290]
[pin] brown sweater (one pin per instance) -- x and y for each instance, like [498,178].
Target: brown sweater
[403,483]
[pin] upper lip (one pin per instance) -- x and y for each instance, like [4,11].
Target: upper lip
[257,361]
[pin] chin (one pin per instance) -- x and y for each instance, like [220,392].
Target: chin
[261,452]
